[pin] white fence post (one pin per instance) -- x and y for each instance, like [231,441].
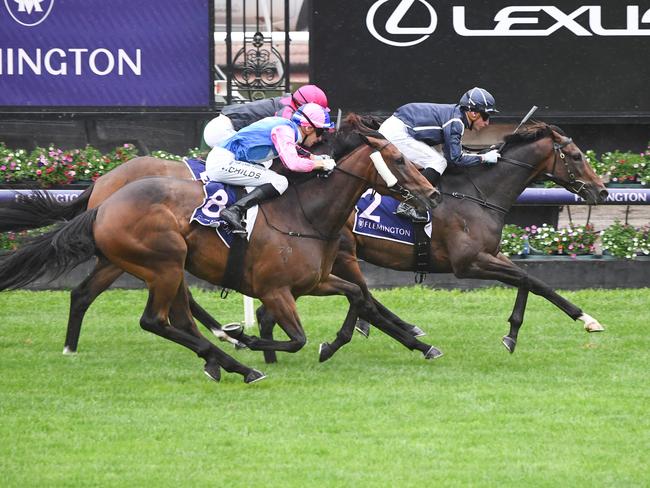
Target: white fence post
[249,312]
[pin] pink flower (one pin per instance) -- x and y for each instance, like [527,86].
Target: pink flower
[39,172]
[3,168]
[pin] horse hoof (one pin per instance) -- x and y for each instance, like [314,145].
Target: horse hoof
[69,352]
[234,330]
[509,343]
[363,328]
[325,352]
[594,327]
[213,371]
[254,376]
[433,353]
[417,332]
[240,345]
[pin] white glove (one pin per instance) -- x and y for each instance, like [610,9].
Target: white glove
[490,157]
[328,164]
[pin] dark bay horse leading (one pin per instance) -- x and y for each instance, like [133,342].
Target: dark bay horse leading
[144,230]
[467,225]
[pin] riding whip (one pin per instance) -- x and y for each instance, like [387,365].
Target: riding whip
[525,119]
[338,120]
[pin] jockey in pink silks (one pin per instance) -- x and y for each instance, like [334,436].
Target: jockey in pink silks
[239,159]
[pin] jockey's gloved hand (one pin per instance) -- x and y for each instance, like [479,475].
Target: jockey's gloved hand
[491,157]
[327,164]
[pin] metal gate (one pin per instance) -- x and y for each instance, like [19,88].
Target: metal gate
[255,68]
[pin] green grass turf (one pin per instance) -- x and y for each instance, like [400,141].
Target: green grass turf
[131,409]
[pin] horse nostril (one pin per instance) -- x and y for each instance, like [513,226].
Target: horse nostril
[603,194]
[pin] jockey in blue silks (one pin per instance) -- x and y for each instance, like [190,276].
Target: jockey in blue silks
[415,127]
[239,159]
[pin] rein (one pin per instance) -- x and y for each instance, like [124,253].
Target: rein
[557,151]
[406,194]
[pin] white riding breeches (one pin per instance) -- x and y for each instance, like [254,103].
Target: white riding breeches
[221,166]
[419,153]
[218,130]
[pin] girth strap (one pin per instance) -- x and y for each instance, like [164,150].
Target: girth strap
[422,252]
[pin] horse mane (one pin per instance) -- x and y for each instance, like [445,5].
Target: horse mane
[532,132]
[350,134]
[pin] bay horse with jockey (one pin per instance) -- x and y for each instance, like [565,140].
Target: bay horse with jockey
[144,229]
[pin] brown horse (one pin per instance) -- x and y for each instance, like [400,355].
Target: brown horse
[467,225]
[144,229]
[38,212]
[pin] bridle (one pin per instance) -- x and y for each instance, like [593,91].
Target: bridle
[574,185]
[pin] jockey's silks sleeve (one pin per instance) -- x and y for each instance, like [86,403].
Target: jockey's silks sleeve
[452,147]
[284,140]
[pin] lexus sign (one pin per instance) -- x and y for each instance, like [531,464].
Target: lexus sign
[570,58]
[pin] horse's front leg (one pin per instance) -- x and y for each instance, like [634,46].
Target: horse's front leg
[361,306]
[516,319]
[540,288]
[500,268]
[281,306]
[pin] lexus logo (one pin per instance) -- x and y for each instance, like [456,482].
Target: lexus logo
[393,28]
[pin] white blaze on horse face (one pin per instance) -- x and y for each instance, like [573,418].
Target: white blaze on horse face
[382,169]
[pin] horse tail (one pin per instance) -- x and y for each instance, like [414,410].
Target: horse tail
[40,209]
[55,252]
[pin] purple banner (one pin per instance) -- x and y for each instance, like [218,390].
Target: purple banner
[94,53]
[560,196]
[61,196]
[530,196]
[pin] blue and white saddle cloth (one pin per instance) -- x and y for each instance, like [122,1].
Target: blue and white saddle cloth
[375,217]
[217,197]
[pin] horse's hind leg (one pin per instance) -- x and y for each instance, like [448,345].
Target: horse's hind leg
[81,297]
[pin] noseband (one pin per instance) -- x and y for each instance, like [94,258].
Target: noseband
[575,185]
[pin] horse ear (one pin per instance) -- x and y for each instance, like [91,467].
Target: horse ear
[374,140]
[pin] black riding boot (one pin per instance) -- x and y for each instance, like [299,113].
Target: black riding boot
[234,214]
[404,209]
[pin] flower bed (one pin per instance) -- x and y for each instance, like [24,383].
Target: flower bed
[52,167]
[618,240]
[619,168]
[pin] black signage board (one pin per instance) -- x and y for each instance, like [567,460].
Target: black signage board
[583,60]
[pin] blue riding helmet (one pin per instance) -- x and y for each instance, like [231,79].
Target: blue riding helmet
[478,100]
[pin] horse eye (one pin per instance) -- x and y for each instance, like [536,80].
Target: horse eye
[577,157]
[400,161]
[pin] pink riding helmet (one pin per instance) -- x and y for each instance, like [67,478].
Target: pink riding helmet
[312,114]
[308,94]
